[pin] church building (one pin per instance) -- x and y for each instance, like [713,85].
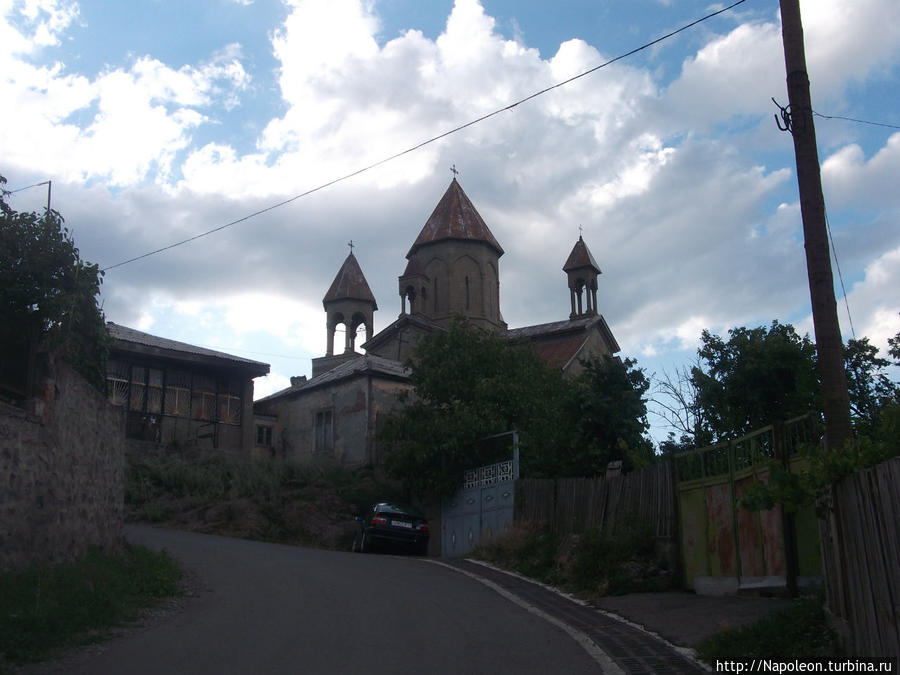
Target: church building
[452,269]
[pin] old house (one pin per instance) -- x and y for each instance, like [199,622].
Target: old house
[178,394]
[452,269]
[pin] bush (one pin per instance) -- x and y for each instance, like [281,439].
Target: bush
[268,500]
[800,632]
[589,563]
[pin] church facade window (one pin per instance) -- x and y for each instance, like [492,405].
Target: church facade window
[324,431]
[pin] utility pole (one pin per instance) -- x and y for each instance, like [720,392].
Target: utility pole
[829,345]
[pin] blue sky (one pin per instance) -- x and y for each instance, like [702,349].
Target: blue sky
[160,120]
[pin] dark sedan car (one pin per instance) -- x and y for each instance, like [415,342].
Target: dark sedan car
[397,526]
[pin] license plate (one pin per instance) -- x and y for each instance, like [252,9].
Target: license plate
[401,523]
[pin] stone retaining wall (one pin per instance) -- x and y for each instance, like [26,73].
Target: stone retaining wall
[61,473]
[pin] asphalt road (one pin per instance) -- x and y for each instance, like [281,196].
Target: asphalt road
[268,608]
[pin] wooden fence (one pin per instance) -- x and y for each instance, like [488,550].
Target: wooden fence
[574,505]
[861,555]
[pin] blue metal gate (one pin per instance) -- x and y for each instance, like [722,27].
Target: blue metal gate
[482,509]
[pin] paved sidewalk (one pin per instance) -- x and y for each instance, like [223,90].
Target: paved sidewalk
[630,649]
[687,619]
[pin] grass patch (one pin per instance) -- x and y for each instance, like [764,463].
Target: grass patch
[525,549]
[799,632]
[589,564]
[45,608]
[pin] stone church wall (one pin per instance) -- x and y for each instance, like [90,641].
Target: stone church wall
[61,473]
[354,406]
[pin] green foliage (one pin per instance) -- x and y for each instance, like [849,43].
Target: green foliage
[46,608]
[256,499]
[801,632]
[795,491]
[48,297]
[894,349]
[607,412]
[526,549]
[469,385]
[589,564]
[756,377]
[868,386]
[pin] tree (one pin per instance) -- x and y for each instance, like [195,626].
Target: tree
[677,399]
[869,387]
[894,348]
[762,375]
[756,377]
[607,412]
[468,385]
[48,298]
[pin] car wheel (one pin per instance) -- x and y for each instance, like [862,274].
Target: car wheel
[364,545]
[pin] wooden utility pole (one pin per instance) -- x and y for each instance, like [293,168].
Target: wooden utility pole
[829,345]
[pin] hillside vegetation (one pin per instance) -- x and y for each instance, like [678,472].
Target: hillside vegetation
[277,501]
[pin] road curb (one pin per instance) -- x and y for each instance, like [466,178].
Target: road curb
[617,644]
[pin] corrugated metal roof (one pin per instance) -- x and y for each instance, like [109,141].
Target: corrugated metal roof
[415,320]
[543,329]
[580,257]
[364,364]
[125,334]
[350,284]
[455,217]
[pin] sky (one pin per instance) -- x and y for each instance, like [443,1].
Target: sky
[160,120]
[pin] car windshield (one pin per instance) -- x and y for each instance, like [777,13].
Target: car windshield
[401,509]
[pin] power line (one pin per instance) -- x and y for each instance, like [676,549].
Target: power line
[429,141]
[837,264]
[851,119]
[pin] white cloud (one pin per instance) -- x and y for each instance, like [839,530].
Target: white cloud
[693,225]
[874,301]
[269,384]
[119,125]
[44,19]
[849,179]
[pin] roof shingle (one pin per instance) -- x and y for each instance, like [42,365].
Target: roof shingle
[455,217]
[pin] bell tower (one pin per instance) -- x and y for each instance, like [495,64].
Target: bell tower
[582,270]
[349,301]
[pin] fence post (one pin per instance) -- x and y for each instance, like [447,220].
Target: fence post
[734,514]
[678,572]
[788,522]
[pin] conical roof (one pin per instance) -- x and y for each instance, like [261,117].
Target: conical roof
[455,218]
[350,284]
[580,257]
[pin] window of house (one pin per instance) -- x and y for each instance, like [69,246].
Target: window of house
[264,435]
[178,393]
[324,431]
[117,373]
[137,388]
[203,398]
[229,408]
[154,390]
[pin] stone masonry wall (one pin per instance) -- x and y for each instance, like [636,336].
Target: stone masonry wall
[61,473]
